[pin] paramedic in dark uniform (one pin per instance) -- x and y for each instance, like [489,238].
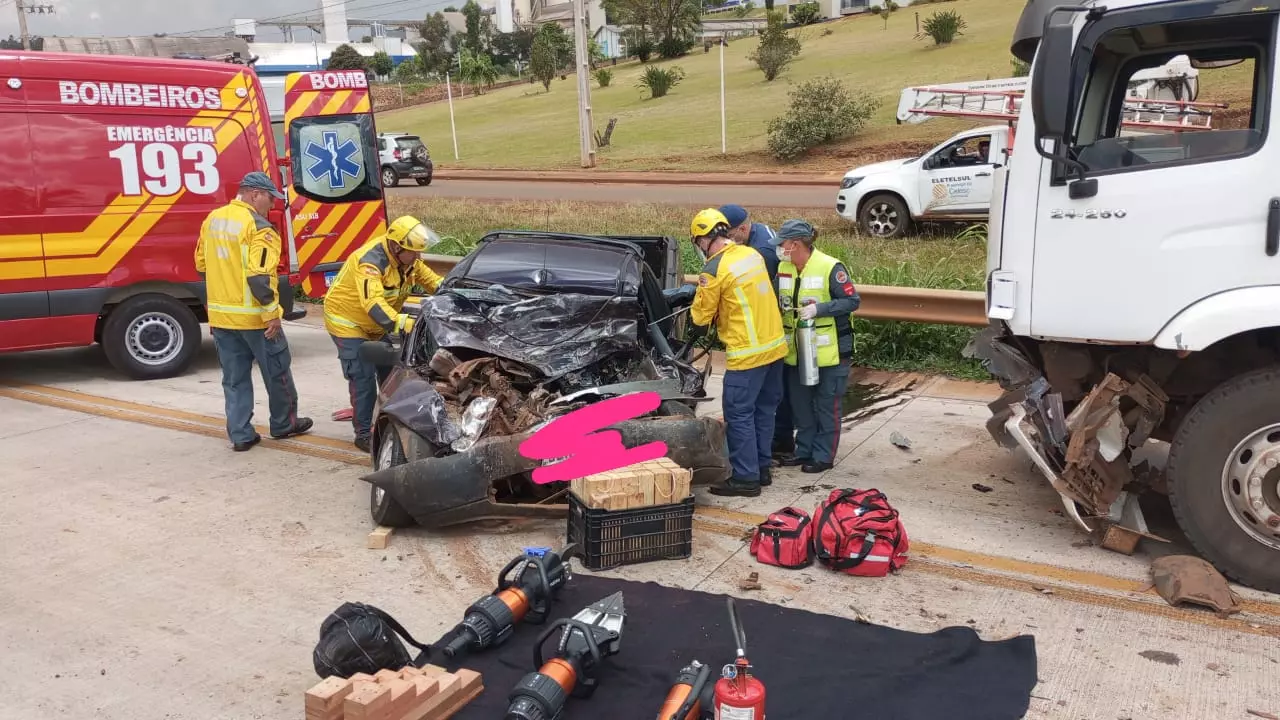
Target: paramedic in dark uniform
[812,285]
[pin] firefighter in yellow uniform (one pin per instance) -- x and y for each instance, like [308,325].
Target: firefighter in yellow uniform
[364,303]
[812,285]
[238,253]
[735,292]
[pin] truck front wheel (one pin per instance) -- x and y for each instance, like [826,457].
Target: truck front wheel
[884,216]
[151,336]
[1224,478]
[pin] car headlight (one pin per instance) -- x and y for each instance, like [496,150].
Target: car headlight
[849,182]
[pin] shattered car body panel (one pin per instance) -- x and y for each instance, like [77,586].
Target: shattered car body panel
[488,364]
[1086,455]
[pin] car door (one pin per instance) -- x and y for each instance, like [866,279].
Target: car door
[956,178]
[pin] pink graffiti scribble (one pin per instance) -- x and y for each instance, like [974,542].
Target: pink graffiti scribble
[589,449]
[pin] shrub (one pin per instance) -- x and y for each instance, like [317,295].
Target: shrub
[345,57]
[674,47]
[643,49]
[820,111]
[884,11]
[659,81]
[942,26]
[744,9]
[1020,69]
[604,77]
[542,60]
[777,48]
[804,13]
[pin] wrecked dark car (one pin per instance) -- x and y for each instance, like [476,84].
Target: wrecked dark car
[526,328]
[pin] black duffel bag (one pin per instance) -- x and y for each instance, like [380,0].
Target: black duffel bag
[359,638]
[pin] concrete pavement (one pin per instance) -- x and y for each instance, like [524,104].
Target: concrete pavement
[751,195]
[138,545]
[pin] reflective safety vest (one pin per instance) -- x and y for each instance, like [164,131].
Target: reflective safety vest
[239,253]
[734,290]
[370,290]
[812,286]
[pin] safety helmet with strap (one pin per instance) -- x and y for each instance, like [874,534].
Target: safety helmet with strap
[708,222]
[411,234]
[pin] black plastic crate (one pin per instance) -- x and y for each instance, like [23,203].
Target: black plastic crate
[610,538]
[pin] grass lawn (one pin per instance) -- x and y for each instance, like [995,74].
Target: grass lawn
[525,127]
[941,261]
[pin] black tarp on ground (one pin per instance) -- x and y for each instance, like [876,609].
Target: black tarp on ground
[813,666]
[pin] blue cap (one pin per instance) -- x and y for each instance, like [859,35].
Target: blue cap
[260,181]
[792,230]
[735,214]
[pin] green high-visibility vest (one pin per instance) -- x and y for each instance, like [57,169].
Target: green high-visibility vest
[812,286]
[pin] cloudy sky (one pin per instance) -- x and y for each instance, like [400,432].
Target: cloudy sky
[144,17]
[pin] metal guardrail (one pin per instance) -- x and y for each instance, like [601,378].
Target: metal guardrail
[879,302]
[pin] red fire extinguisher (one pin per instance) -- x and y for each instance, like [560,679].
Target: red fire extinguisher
[739,694]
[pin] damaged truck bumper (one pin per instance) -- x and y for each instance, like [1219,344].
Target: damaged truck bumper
[459,488]
[1086,454]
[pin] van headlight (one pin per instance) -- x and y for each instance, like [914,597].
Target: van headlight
[849,182]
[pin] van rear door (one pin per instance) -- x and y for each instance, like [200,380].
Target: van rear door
[337,201]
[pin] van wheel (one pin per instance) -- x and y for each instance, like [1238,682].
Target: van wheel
[389,177]
[151,336]
[1224,478]
[382,508]
[884,216]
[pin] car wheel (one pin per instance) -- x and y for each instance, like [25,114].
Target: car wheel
[1224,478]
[389,177]
[152,336]
[884,216]
[424,181]
[384,510]
[672,408]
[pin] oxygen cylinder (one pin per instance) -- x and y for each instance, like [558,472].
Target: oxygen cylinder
[807,350]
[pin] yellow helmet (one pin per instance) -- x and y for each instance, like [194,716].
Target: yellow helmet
[707,222]
[409,233]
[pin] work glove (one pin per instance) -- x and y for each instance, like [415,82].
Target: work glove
[404,323]
[809,312]
[682,295]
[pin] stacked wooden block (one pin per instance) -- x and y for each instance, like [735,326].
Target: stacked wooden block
[655,482]
[428,693]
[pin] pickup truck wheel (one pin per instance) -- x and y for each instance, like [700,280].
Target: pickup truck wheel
[1224,478]
[382,508]
[389,177]
[425,180]
[151,336]
[884,216]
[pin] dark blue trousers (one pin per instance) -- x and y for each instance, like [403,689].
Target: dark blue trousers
[816,411]
[362,382]
[237,352]
[751,399]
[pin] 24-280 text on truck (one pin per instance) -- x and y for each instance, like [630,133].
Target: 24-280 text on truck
[110,164]
[1134,280]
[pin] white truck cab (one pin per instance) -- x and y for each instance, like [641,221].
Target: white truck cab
[1134,280]
[951,182]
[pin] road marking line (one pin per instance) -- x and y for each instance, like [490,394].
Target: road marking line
[722,521]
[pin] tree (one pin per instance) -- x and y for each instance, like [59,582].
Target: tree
[595,53]
[477,69]
[559,41]
[885,10]
[474,40]
[542,58]
[409,69]
[345,57]
[777,48]
[671,25]
[434,48]
[638,43]
[512,46]
[819,112]
[381,64]
[805,13]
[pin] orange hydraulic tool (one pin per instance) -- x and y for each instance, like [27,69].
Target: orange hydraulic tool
[689,697]
[538,576]
[588,638]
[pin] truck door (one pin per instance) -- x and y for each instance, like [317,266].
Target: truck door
[337,201]
[956,178]
[24,292]
[1177,216]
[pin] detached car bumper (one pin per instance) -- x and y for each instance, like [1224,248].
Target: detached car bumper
[459,488]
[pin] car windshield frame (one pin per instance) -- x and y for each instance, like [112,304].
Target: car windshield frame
[544,255]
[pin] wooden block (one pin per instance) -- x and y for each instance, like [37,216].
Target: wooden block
[367,703]
[385,675]
[404,695]
[379,537]
[328,695]
[434,670]
[408,672]
[456,703]
[427,686]
[448,686]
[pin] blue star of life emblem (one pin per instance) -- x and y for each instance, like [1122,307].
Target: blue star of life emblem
[333,161]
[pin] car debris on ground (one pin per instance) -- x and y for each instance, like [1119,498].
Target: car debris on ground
[1185,579]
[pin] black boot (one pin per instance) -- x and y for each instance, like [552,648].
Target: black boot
[243,446]
[816,467]
[734,487]
[362,442]
[794,461]
[766,477]
[301,427]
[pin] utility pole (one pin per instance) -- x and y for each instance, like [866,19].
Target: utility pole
[584,82]
[22,26]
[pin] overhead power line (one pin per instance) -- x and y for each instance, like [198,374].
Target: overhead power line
[352,5]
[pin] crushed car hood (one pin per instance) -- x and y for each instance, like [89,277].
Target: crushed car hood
[555,334]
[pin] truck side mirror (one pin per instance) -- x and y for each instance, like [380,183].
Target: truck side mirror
[1051,81]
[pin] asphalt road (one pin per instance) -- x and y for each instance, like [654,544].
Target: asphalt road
[690,195]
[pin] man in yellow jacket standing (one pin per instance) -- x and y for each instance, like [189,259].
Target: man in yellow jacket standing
[736,293]
[238,253]
[364,302]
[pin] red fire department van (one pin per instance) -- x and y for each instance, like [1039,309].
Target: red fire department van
[110,165]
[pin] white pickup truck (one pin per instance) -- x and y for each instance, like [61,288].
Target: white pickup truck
[951,182]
